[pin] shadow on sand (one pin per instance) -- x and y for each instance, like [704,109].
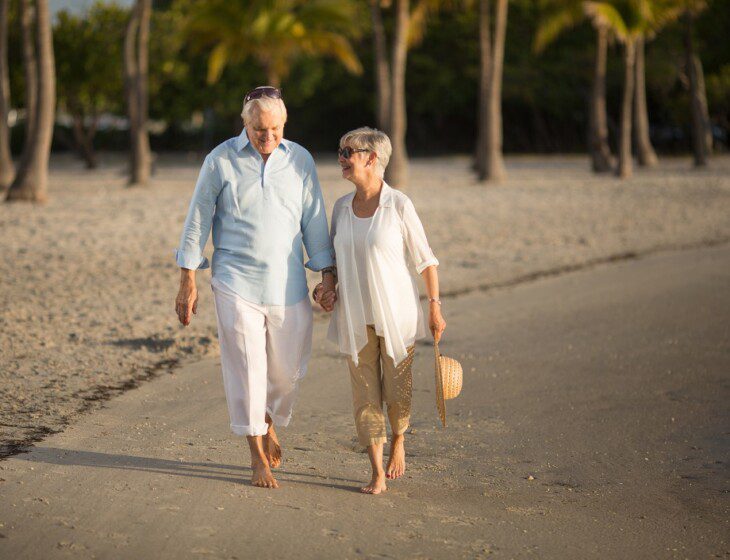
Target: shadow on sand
[207,470]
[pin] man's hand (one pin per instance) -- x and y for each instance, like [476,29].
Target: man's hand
[186,303]
[325,299]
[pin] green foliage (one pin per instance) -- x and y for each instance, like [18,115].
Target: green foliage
[275,33]
[89,59]
[545,96]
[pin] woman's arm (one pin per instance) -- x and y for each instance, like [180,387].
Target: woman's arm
[435,320]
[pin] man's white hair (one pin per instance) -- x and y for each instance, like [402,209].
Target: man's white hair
[373,140]
[263,105]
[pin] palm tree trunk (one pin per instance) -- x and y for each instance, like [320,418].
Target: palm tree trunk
[130,81]
[624,155]
[272,78]
[382,69]
[84,140]
[485,64]
[493,140]
[30,67]
[397,171]
[645,153]
[601,158]
[7,169]
[144,156]
[701,128]
[31,182]
[136,41]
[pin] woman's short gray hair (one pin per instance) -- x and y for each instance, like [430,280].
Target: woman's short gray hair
[373,140]
[263,105]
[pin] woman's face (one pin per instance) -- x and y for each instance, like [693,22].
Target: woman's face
[359,166]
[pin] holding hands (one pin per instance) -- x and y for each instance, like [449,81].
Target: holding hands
[325,293]
[326,298]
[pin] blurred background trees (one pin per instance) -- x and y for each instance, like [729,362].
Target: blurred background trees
[343,63]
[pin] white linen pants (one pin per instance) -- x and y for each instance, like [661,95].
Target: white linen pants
[264,352]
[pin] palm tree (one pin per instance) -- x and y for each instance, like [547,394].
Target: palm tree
[490,161]
[397,171]
[645,153]
[410,28]
[274,34]
[7,169]
[31,180]
[382,68]
[654,15]
[30,68]
[560,15]
[136,63]
[701,127]
[626,20]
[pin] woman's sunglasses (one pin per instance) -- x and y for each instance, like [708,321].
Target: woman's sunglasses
[347,152]
[262,91]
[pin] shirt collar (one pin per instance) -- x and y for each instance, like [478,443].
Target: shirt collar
[386,197]
[242,141]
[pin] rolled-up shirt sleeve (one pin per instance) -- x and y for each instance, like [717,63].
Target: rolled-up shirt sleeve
[198,222]
[314,223]
[415,239]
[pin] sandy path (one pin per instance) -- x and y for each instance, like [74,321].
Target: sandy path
[591,427]
[88,281]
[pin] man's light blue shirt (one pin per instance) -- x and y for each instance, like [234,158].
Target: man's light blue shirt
[260,215]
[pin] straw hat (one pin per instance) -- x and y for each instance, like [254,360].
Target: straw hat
[449,377]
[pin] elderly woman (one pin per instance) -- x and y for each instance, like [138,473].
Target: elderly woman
[377,317]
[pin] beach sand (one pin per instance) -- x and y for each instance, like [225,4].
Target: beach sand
[89,280]
[591,426]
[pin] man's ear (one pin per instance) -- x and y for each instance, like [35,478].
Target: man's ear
[372,157]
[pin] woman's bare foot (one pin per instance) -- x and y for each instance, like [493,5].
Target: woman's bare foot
[272,449]
[377,484]
[397,461]
[262,476]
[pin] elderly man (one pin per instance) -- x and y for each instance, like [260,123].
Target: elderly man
[262,197]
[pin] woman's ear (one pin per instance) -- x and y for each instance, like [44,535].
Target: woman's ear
[371,158]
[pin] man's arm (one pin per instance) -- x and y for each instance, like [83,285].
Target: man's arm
[189,255]
[315,234]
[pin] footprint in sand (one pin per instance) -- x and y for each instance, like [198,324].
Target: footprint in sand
[334,533]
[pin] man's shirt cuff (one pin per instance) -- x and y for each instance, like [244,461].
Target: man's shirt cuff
[192,260]
[320,260]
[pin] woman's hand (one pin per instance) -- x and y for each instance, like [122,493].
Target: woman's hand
[325,298]
[186,302]
[436,321]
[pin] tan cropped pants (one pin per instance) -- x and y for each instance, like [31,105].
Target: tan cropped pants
[377,379]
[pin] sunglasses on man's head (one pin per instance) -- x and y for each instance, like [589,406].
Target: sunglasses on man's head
[262,91]
[347,152]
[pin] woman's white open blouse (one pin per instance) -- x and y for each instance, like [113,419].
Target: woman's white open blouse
[395,240]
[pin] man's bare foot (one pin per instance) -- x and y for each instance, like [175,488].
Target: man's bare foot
[272,449]
[397,461]
[376,486]
[262,476]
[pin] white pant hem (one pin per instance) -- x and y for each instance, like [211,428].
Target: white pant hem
[250,430]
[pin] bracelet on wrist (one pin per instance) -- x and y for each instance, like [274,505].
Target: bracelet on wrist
[434,300]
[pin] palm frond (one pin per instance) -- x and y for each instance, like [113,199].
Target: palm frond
[606,15]
[555,21]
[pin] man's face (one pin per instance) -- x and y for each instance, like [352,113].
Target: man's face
[265,131]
